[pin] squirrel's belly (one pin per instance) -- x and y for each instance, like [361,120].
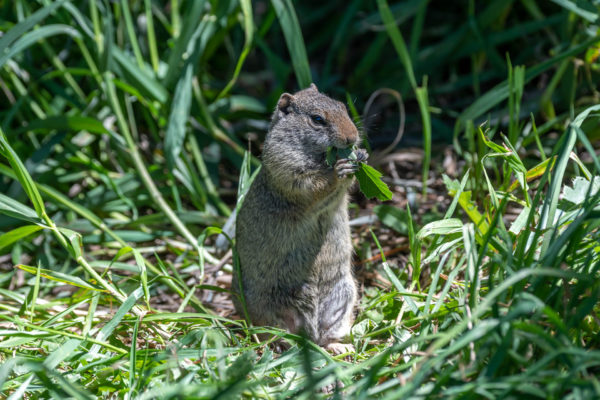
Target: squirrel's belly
[288,257]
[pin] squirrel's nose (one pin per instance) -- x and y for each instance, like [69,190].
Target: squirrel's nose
[351,139]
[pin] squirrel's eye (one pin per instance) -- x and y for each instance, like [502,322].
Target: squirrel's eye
[318,119]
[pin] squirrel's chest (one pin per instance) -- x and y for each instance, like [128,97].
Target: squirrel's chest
[324,235]
[324,223]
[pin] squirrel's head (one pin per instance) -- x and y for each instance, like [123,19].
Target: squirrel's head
[316,117]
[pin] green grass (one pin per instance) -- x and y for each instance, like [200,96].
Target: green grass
[123,131]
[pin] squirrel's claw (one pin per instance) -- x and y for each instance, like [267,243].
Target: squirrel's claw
[345,167]
[361,155]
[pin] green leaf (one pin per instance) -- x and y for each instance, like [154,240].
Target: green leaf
[140,78]
[331,156]
[164,317]
[248,23]
[65,351]
[535,172]
[520,222]
[246,179]
[494,146]
[22,175]
[141,264]
[181,47]
[399,287]
[334,154]
[17,234]
[241,367]
[441,227]
[19,30]
[14,209]
[339,154]
[180,112]
[369,179]
[423,100]
[397,40]
[21,391]
[182,98]
[75,123]
[33,37]
[108,329]
[371,184]
[581,191]
[468,205]
[393,217]
[75,241]
[550,204]
[132,354]
[139,259]
[351,155]
[60,277]
[584,9]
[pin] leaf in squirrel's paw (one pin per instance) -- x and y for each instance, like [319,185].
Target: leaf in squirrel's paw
[369,180]
[331,156]
[346,153]
[334,154]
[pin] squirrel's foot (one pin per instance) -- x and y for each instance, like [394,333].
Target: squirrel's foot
[280,345]
[337,348]
[345,167]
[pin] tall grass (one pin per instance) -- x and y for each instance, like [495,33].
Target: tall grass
[119,125]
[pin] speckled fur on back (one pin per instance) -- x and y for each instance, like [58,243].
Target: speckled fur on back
[292,231]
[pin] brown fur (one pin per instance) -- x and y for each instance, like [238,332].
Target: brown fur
[292,231]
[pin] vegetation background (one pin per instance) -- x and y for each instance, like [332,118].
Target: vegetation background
[124,129]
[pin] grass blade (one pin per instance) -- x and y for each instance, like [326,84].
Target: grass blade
[33,37]
[294,39]
[131,33]
[246,6]
[151,36]
[19,30]
[24,178]
[590,14]
[107,330]
[178,118]
[420,92]
[14,209]
[174,63]
[8,238]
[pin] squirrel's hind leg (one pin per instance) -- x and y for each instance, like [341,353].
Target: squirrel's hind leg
[337,312]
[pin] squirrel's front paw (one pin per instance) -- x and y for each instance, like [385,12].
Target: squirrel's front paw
[361,155]
[345,167]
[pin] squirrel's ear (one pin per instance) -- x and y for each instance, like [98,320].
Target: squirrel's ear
[284,103]
[314,87]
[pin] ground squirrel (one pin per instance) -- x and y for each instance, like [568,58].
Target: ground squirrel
[292,231]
